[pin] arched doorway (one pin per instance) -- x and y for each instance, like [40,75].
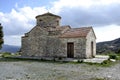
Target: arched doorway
[92,51]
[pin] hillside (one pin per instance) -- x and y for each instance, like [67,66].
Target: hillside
[108,46]
[10,48]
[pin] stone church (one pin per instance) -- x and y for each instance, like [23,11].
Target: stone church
[49,39]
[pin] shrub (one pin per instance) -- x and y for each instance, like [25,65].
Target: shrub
[113,56]
[118,56]
[60,58]
[6,54]
[80,61]
[118,51]
[97,79]
[106,63]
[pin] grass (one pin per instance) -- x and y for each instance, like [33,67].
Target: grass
[14,59]
[97,64]
[106,63]
[97,79]
[8,57]
[6,54]
[118,56]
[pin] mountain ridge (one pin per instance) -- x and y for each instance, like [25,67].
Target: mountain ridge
[10,48]
[108,46]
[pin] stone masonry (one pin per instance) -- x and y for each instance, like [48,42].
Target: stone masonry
[49,39]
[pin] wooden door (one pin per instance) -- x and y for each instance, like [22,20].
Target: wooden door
[70,50]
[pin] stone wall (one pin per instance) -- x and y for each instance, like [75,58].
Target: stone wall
[79,46]
[54,47]
[48,21]
[39,43]
[90,38]
[34,44]
[43,45]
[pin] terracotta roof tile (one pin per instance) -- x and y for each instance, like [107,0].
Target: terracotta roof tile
[76,32]
[63,27]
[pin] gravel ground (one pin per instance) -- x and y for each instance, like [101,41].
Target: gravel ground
[31,70]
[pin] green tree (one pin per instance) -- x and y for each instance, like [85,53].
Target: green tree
[1,36]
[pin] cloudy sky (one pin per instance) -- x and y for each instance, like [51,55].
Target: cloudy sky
[18,16]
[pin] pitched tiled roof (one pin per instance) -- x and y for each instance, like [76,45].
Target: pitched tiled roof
[63,27]
[76,32]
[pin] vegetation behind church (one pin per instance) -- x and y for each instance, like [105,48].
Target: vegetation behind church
[1,36]
[109,47]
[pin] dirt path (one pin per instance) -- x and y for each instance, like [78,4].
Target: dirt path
[27,70]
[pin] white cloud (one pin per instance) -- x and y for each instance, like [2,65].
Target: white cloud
[106,33]
[107,2]
[61,4]
[20,19]
[13,40]
[30,13]
[18,22]
[73,12]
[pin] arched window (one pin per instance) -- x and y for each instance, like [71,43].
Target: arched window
[92,49]
[40,20]
[57,22]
